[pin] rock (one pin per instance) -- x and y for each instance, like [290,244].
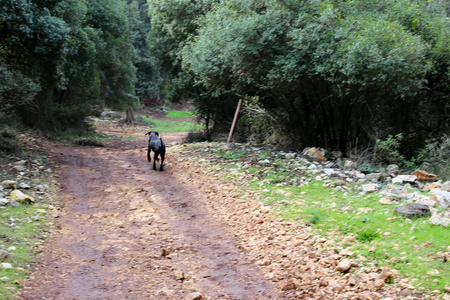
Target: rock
[337,154]
[20,168]
[344,265]
[14,203]
[328,172]
[446,186]
[194,296]
[369,188]
[374,177]
[165,292]
[4,201]
[108,114]
[314,154]
[358,174]
[165,252]
[9,184]
[5,266]
[346,252]
[392,170]
[5,255]
[385,201]
[413,210]
[397,181]
[179,275]
[386,274]
[18,196]
[378,284]
[442,198]
[4,279]
[24,186]
[424,176]
[290,155]
[349,164]
[442,219]
[405,178]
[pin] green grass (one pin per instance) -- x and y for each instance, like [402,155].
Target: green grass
[23,236]
[172,126]
[358,222]
[179,114]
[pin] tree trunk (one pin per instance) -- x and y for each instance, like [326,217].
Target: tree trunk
[130,117]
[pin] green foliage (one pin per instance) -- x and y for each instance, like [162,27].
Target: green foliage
[60,59]
[367,235]
[389,148]
[334,74]
[435,158]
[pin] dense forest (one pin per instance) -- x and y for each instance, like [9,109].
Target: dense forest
[338,74]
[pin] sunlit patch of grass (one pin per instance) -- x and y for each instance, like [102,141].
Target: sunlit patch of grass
[172,126]
[179,114]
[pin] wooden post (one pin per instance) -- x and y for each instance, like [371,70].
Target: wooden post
[233,125]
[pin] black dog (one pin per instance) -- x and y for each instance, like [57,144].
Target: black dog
[157,145]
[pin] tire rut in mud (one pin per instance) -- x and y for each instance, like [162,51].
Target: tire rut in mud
[128,232]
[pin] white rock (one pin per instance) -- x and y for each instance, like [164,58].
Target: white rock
[3,201]
[328,172]
[406,178]
[446,186]
[358,174]
[373,176]
[369,188]
[397,181]
[439,220]
[442,198]
[24,186]
[5,266]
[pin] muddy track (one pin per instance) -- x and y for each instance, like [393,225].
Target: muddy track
[125,231]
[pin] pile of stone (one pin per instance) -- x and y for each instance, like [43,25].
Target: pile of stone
[418,194]
[392,186]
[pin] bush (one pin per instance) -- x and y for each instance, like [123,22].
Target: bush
[8,141]
[195,137]
[435,158]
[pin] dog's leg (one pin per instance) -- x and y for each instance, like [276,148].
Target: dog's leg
[155,158]
[162,161]
[148,155]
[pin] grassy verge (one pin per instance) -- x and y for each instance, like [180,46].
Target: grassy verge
[20,234]
[344,217]
[22,228]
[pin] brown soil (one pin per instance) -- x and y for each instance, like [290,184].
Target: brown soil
[125,231]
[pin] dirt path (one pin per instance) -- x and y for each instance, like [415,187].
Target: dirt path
[125,231]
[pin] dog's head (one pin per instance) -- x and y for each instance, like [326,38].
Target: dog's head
[152,133]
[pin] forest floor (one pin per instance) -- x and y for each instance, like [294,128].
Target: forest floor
[125,231]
